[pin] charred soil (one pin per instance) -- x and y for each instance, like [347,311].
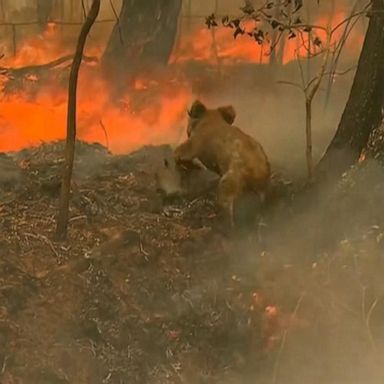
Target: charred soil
[144,292]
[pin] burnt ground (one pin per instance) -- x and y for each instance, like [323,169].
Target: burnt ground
[143,292]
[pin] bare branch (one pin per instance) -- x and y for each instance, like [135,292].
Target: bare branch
[290,83]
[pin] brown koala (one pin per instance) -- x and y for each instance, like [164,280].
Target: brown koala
[223,148]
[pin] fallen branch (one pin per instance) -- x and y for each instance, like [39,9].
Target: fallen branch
[22,71]
[45,240]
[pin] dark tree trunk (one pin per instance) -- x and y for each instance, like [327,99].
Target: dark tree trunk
[363,111]
[44,12]
[63,215]
[142,39]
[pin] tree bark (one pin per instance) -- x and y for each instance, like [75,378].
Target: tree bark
[363,111]
[142,38]
[44,13]
[62,218]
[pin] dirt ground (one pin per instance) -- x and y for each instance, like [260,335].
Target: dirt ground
[144,292]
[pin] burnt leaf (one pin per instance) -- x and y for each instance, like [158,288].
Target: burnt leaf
[297,21]
[236,23]
[317,42]
[238,31]
[247,9]
[258,35]
[210,21]
[274,24]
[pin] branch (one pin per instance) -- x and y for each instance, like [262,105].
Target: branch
[316,83]
[39,67]
[290,83]
[349,18]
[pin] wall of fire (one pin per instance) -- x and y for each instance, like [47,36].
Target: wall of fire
[19,18]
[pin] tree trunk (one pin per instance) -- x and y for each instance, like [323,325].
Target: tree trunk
[44,13]
[363,111]
[142,38]
[62,219]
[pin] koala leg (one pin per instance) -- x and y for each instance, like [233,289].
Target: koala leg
[197,162]
[227,193]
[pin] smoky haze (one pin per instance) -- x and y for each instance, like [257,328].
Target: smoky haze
[323,263]
[318,260]
[272,112]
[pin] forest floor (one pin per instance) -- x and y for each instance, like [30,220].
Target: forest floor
[143,292]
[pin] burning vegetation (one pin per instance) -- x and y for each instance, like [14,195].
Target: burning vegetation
[143,282]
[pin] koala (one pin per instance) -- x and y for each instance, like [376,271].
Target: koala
[214,143]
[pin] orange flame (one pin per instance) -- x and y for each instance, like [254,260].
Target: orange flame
[219,46]
[26,121]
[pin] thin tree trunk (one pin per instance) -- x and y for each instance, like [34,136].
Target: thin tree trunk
[63,215]
[308,135]
[363,111]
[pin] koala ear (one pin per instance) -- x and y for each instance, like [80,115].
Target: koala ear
[197,110]
[228,113]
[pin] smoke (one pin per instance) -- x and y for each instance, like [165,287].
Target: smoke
[317,261]
[274,113]
[322,267]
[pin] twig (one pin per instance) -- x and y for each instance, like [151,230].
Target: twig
[367,322]
[44,239]
[75,218]
[367,315]
[105,133]
[4,365]
[290,83]
[142,250]
[284,340]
